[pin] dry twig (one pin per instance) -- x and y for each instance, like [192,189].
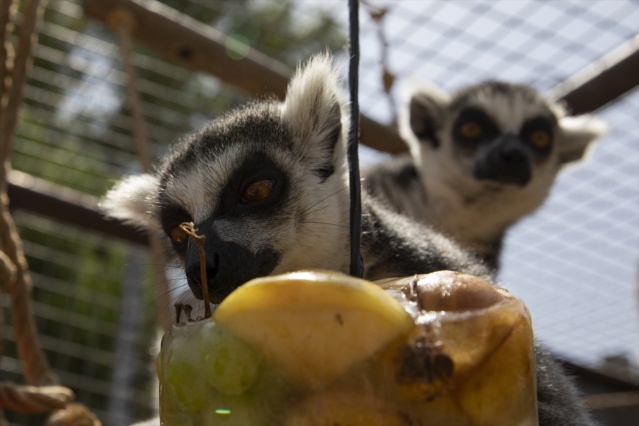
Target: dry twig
[190,230]
[378,14]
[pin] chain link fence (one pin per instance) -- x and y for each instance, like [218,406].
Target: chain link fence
[574,261]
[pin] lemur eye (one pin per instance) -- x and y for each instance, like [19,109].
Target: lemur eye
[540,138]
[471,129]
[178,235]
[257,191]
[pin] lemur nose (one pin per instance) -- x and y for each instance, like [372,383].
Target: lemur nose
[512,155]
[506,163]
[513,165]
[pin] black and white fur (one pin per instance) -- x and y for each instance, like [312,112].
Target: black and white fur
[473,190]
[303,223]
[299,145]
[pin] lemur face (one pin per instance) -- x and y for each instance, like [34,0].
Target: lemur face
[237,191]
[505,132]
[265,185]
[497,134]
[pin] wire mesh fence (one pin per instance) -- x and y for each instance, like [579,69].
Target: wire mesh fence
[85,329]
[574,262]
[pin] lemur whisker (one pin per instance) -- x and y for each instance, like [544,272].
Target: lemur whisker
[324,199]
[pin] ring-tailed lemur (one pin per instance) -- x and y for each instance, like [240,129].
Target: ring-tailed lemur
[267,185]
[481,159]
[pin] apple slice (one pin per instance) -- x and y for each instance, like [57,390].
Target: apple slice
[314,325]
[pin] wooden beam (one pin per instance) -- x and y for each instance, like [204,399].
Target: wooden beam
[603,81]
[182,39]
[66,205]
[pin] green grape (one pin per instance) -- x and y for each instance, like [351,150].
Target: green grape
[185,376]
[228,364]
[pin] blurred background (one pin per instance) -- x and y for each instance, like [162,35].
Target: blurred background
[575,261]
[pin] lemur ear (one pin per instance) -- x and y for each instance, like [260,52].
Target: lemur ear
[576,134]
[314,110]
[424,113]
[133,200]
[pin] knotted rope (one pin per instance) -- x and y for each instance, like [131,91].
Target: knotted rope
[15,69]
[33,399]
[44,394]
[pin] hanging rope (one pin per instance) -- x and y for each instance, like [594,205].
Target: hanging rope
[7,13]
[8,10]
[15,280]
[122,22]
[36,369]
[35,365]
[19,68]
[357,267]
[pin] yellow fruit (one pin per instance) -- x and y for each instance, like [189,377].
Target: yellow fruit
[319,348]
[469,359]
[446,291]
[344,407]
[501,389]
[314,325]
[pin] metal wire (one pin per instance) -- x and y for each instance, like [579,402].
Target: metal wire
[357,265]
